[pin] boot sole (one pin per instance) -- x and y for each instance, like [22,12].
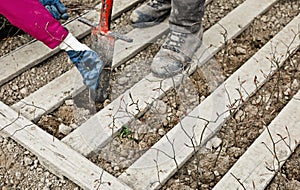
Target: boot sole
[149,24]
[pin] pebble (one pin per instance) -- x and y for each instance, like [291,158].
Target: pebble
[161,132]
[287,92]
[202,98]
[295,84]
[15,87]
[74,126]
[27,161]
[35,163]
[24,91]
[216,173]
[123,80]
[10,147]
[116,168]
[215,142]
[136,136]
[122,158]
[159,107]
[18,175]
[47,174]
[64,129]
[241,51]
[240,115]
[33,70]
[69,102]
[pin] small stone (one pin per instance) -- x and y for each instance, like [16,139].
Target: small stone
[152,130]
[10,147]
[165,122]
[27,161]
[241,51]
[295,84]
[216,173]
[48,183]
[39,170]
[264,18]
[47,174]
[5,141]
[74,126]
[136,136]
[114,164]
[14,87]
[69,102]
[213,143]
[42,179]
[240,115]
[106,102]
[287,92]
[202,98]
[24,91]
[35,163]
[116,168]
[64,129]
[4,187]
[123,80]
[18,175]
[161,132]
[159,107]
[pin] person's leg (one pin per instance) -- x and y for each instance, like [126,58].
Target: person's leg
[151,13]
[184,39]
[33,18]
[186,15]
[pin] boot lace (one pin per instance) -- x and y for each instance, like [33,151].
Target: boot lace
[175,41]
[156,3]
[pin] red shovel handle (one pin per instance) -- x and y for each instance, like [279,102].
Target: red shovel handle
[105,15]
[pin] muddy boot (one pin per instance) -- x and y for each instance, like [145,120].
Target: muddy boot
[176,53]
[152,13]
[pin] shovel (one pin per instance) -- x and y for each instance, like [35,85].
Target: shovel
[103,41]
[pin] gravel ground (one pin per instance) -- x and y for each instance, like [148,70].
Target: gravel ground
[19,169]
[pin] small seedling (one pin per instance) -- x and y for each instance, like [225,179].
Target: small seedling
[125,132]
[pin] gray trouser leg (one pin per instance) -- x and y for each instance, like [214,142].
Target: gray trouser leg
[186,15]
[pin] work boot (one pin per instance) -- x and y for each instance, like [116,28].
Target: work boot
[176,52]
[151,13]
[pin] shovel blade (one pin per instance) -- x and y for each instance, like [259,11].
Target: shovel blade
[103,45]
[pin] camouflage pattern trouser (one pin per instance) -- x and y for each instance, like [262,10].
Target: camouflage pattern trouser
[186,15]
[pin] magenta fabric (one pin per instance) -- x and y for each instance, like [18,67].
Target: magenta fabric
[32,17]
